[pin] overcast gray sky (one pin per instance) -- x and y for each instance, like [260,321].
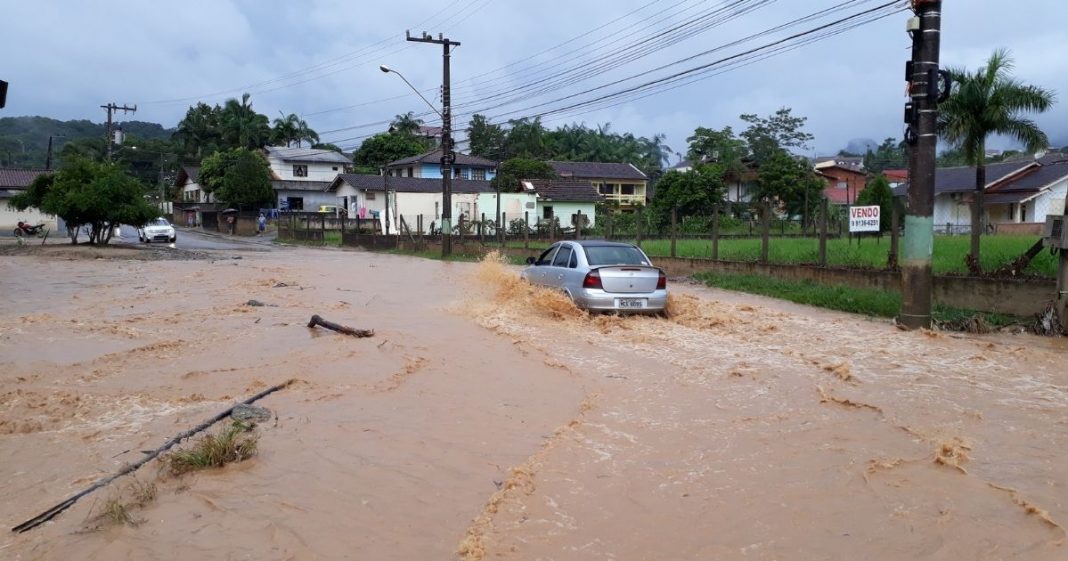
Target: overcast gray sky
[66,58]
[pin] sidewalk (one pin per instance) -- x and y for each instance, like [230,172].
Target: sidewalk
[266,239]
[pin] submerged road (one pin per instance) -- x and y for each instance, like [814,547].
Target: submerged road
[488,420]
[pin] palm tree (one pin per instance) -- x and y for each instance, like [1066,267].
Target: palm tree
[990,101]
[406,124]
[198,132]
[242,126]
[304,132]
[285,129]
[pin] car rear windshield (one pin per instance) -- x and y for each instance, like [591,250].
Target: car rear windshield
[615,255]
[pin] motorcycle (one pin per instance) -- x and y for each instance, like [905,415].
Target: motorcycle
[26,230]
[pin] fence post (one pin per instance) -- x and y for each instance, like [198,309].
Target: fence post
[765,230]
[894,219]
[638,222]
[674,228]
[578,226]
[502,230]
[552,229]
[322,226]
[526,229]
[611,224]
[715,232]
[824,218]
[481,231]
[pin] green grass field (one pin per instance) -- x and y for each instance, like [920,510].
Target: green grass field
[949,252]
[869,302]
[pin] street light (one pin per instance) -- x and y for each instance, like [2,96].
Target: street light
[387,70]
[448,157]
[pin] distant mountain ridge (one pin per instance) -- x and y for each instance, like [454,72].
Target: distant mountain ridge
[24,140]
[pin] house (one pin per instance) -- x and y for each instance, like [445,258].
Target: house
[301,176]
[896,177]
[564,200]
[365,196]
[622,184]
[848,161]
[1017,198]
[13,182]
[194,206]
[845,182]
[428,166]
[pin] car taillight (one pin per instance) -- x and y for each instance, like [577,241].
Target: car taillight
[592,280]
[661,282]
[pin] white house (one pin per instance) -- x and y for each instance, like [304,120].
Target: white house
[565,200]
[13,182]
[302,176]
[1017,198]
[365,196]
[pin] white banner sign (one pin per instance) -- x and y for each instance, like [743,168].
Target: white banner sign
[863,219]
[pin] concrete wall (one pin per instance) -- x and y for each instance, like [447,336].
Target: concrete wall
[317,171]
[9,218]
[564,211]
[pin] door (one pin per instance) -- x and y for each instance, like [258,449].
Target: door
[537,273]
[556,275]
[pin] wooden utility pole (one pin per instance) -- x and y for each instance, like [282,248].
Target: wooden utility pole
[111,108]
[448,157]
[922,116]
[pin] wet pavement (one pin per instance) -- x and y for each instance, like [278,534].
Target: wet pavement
[489,420]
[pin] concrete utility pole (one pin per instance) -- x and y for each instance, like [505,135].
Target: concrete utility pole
[448,157]
[922,137]
[111,108]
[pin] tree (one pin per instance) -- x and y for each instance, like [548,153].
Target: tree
[985,102]
[239,177]
[720,147]
[526,139]
[199,132]
[381,149]
[327,146]
[290,129]
[241,126]
[767,136]
[486,139]
[878,192]
[512,171]
[791,182]
[406,124]
[692,193]
[891,154]
[87,193]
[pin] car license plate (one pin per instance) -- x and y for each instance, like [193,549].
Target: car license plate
[630,303]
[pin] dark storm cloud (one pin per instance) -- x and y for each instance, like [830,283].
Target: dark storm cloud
[64,59]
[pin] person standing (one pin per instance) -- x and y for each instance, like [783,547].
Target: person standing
[230,224]
[261,224]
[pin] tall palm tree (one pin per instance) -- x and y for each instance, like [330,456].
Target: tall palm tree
[242,126]
[990,101]
[198,132]
[304,132]
[406,123]
[285,129]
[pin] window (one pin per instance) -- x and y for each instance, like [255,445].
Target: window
[606,189]
[573,263]
[615,255]
[370,195]
[411,171]
[547,212]
[547,256]
[841,185]
[334,168]
[295,203]
[478,174]
[626,190]
[563,257]
[300,171]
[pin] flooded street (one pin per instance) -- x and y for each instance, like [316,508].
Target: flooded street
[485,420]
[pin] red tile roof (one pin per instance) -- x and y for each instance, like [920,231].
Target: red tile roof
[18,178]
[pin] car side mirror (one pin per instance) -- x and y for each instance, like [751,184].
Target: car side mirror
[531,260]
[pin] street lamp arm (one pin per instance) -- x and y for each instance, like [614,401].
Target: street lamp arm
[387,70]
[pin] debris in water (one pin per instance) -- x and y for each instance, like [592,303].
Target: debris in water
[250,413]
[1030,508]
[953,454]
[841,370]
[828,398]
[317,321]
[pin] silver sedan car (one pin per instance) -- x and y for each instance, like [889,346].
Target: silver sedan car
[601,276]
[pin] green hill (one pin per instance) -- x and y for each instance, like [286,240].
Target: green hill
[24,140]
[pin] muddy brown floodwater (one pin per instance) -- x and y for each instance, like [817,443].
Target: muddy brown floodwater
[486,420]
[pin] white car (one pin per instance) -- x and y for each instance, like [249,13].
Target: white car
[158,230]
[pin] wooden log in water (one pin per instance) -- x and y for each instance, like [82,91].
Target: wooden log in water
[317,321]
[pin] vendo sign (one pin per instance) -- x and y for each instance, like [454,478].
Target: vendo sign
[863,219]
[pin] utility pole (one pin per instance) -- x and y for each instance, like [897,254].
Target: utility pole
[921,114]
[448,157]
[48,158]
[111,108]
